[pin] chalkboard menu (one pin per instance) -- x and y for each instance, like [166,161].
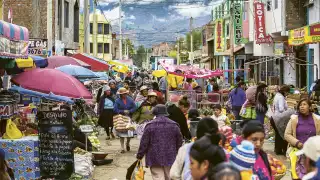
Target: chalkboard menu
[56,144]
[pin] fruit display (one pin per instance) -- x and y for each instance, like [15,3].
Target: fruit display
[277,167]
[94,140]
[227,132]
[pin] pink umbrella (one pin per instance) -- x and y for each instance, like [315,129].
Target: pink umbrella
[52,81]
[57,61]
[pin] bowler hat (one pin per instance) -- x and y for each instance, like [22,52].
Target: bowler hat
[160,110]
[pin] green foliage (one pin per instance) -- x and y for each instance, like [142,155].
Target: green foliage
[130,47]
[140,56]
[197,40]
[173,54]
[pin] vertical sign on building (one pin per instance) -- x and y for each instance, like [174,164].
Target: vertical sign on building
[260,28]
[237,17]
[219,36]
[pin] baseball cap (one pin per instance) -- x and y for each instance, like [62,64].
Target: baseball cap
[311,148]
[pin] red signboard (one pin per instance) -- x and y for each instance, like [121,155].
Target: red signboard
[315,30]
[261,37]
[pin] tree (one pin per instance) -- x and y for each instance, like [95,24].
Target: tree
[140,56]
[130,47]
[197,40]
[173,54]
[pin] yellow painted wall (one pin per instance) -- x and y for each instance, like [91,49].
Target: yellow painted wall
[101,38]
[1,9]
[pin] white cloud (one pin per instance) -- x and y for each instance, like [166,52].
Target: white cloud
[131,8]
[113,15]
[155,18]
[142,2]
[193,10]
[131,17]
[106,2]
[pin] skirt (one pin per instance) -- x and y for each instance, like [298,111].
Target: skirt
[106,118]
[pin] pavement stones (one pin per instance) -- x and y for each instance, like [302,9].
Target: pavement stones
[118,168]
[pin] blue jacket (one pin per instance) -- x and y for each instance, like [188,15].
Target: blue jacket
[120,107]
[239,98]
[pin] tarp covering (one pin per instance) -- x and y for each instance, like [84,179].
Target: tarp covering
[190,71]
[40,62]
[119,67]
[25,63]
[96,64]
[14,40]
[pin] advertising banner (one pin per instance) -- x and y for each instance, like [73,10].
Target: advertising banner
[259,14]
[38,47]
[298,36]
[314,33]
[279,49]
[237,23]
[219,44]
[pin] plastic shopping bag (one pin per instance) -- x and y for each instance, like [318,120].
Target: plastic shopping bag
[293,161]
[12,132]
[138,173]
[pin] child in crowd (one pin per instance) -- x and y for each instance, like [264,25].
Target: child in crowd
[224,171]
[244,157]
[218,116]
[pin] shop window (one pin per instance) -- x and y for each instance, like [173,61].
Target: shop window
[276,4]
[100,28]
[106,48]
[66,14]
[100,48]
[268,5]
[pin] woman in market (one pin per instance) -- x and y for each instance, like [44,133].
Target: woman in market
[254,132]
[106,106]
[261,102]
[178,114]
[113,88]
[155,88]
[299,129]
[237,97]
[143,114]
[279,119]
[188,85]
[205,154]
[181,166]
[6,173]
[124,105]
[142,96]
[160,143]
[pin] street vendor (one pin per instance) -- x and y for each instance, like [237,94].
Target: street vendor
[106,112]
[142,96]
[124,105]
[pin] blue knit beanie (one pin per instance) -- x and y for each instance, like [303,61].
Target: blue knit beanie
[243,156]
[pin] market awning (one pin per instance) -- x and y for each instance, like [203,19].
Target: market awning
[118,66]
[190,71]
[40,62]
[25,63]
[17,37]
[95,63]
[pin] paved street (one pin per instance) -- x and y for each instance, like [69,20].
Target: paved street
[117,170]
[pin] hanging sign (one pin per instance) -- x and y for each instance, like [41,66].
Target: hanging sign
[38,47]
[279,49]
[314,33]
[259,14]
[219,45]
[237,23]
[298,36]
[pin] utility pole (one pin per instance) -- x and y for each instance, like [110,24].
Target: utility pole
[191,40]
[49,25]
[232,41]
[94,30]
[120,31]
[178,51]
[86,27]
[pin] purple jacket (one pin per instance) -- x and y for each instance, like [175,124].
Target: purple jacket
[160,142]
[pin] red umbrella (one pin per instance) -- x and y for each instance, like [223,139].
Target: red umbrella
[52,81]
[57,61]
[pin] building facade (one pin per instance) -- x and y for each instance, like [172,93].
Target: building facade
[56,21]
[162,49]
[100,36]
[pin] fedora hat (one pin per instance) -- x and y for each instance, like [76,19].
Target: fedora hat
[160,110]
[122,91]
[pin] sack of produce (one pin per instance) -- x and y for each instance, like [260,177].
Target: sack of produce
[83,162]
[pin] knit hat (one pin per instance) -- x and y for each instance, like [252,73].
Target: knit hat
[160,110]
[243,156]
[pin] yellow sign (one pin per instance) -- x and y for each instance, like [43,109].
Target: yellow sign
[298,36]
[304,35]
[219,40]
